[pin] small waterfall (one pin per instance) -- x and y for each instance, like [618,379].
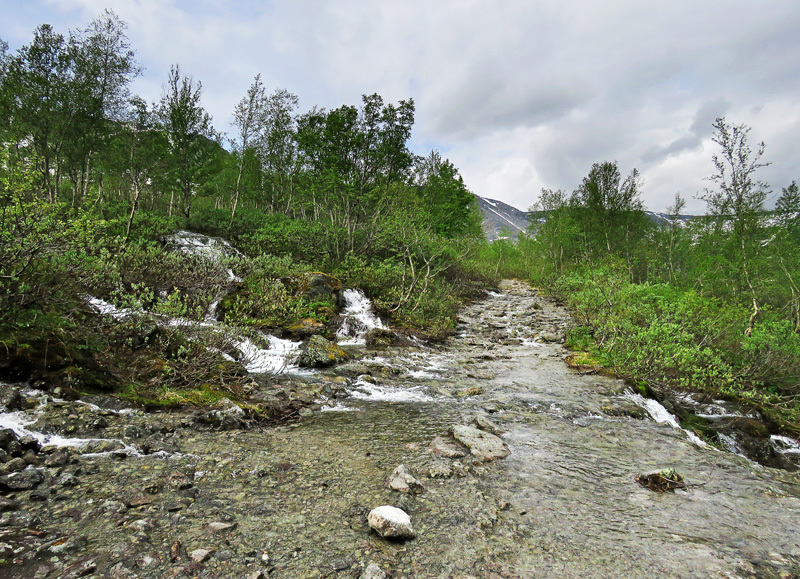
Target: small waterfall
[214,249]
[661,415]
[357,318]
[277,358]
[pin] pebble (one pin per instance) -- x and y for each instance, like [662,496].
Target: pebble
[200,555]
[373,571]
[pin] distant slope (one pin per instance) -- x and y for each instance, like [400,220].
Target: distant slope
[497,215]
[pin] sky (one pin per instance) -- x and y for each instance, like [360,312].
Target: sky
[519,94]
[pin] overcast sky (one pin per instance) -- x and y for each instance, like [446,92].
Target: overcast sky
[518,94]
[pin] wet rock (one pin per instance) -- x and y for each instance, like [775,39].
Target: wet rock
[303,328]
[7,504]
[67,479]
[68,545]
[445,448]
[175,551]
[80,569]
[483,423]
[58,458]
[401,480]
[483,445]
[373,571]
[551,337]
[340,565]
[227,415]
[114,507]
[30,458]
[15,465]
[320,287]
[440,470]
[391,522]
[10,399]
[22,481]
[100,446]
[379,337]
[751,438]
[29,443]
[201,555]
[142,525]
[320,353]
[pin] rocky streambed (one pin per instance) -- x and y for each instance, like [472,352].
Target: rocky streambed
[513,465]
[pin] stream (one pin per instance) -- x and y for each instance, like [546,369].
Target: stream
[291,501]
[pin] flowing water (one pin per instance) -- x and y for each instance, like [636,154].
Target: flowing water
[564,503]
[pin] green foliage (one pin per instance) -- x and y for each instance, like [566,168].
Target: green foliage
[661,333]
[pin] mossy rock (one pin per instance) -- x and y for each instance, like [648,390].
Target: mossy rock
[316,286]
[379,337]
[304,328]
[320,353]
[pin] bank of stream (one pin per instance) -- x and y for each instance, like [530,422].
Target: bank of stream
[170,499]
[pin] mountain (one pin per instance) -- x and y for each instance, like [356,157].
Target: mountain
[497,215]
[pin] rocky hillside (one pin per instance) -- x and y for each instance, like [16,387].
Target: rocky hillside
[498,215]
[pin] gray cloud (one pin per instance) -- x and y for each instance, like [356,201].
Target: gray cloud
[701,128]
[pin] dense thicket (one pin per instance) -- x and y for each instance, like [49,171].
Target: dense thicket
[92,178]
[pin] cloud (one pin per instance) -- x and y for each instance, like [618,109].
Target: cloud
[520,95]
[701,127]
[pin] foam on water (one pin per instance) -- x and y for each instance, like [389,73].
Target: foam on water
[256,360]
[274,360]
[785,445]
[376,393]
[104,308]
[18,422]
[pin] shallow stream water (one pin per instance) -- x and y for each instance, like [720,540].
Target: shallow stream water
[564,503]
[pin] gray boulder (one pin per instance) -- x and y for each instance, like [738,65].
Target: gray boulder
[22,481]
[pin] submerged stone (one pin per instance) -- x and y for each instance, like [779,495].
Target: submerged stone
[373,571]
[443,447]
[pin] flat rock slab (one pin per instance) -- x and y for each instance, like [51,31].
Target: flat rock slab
[391,522]
[442,447]
[484,446]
